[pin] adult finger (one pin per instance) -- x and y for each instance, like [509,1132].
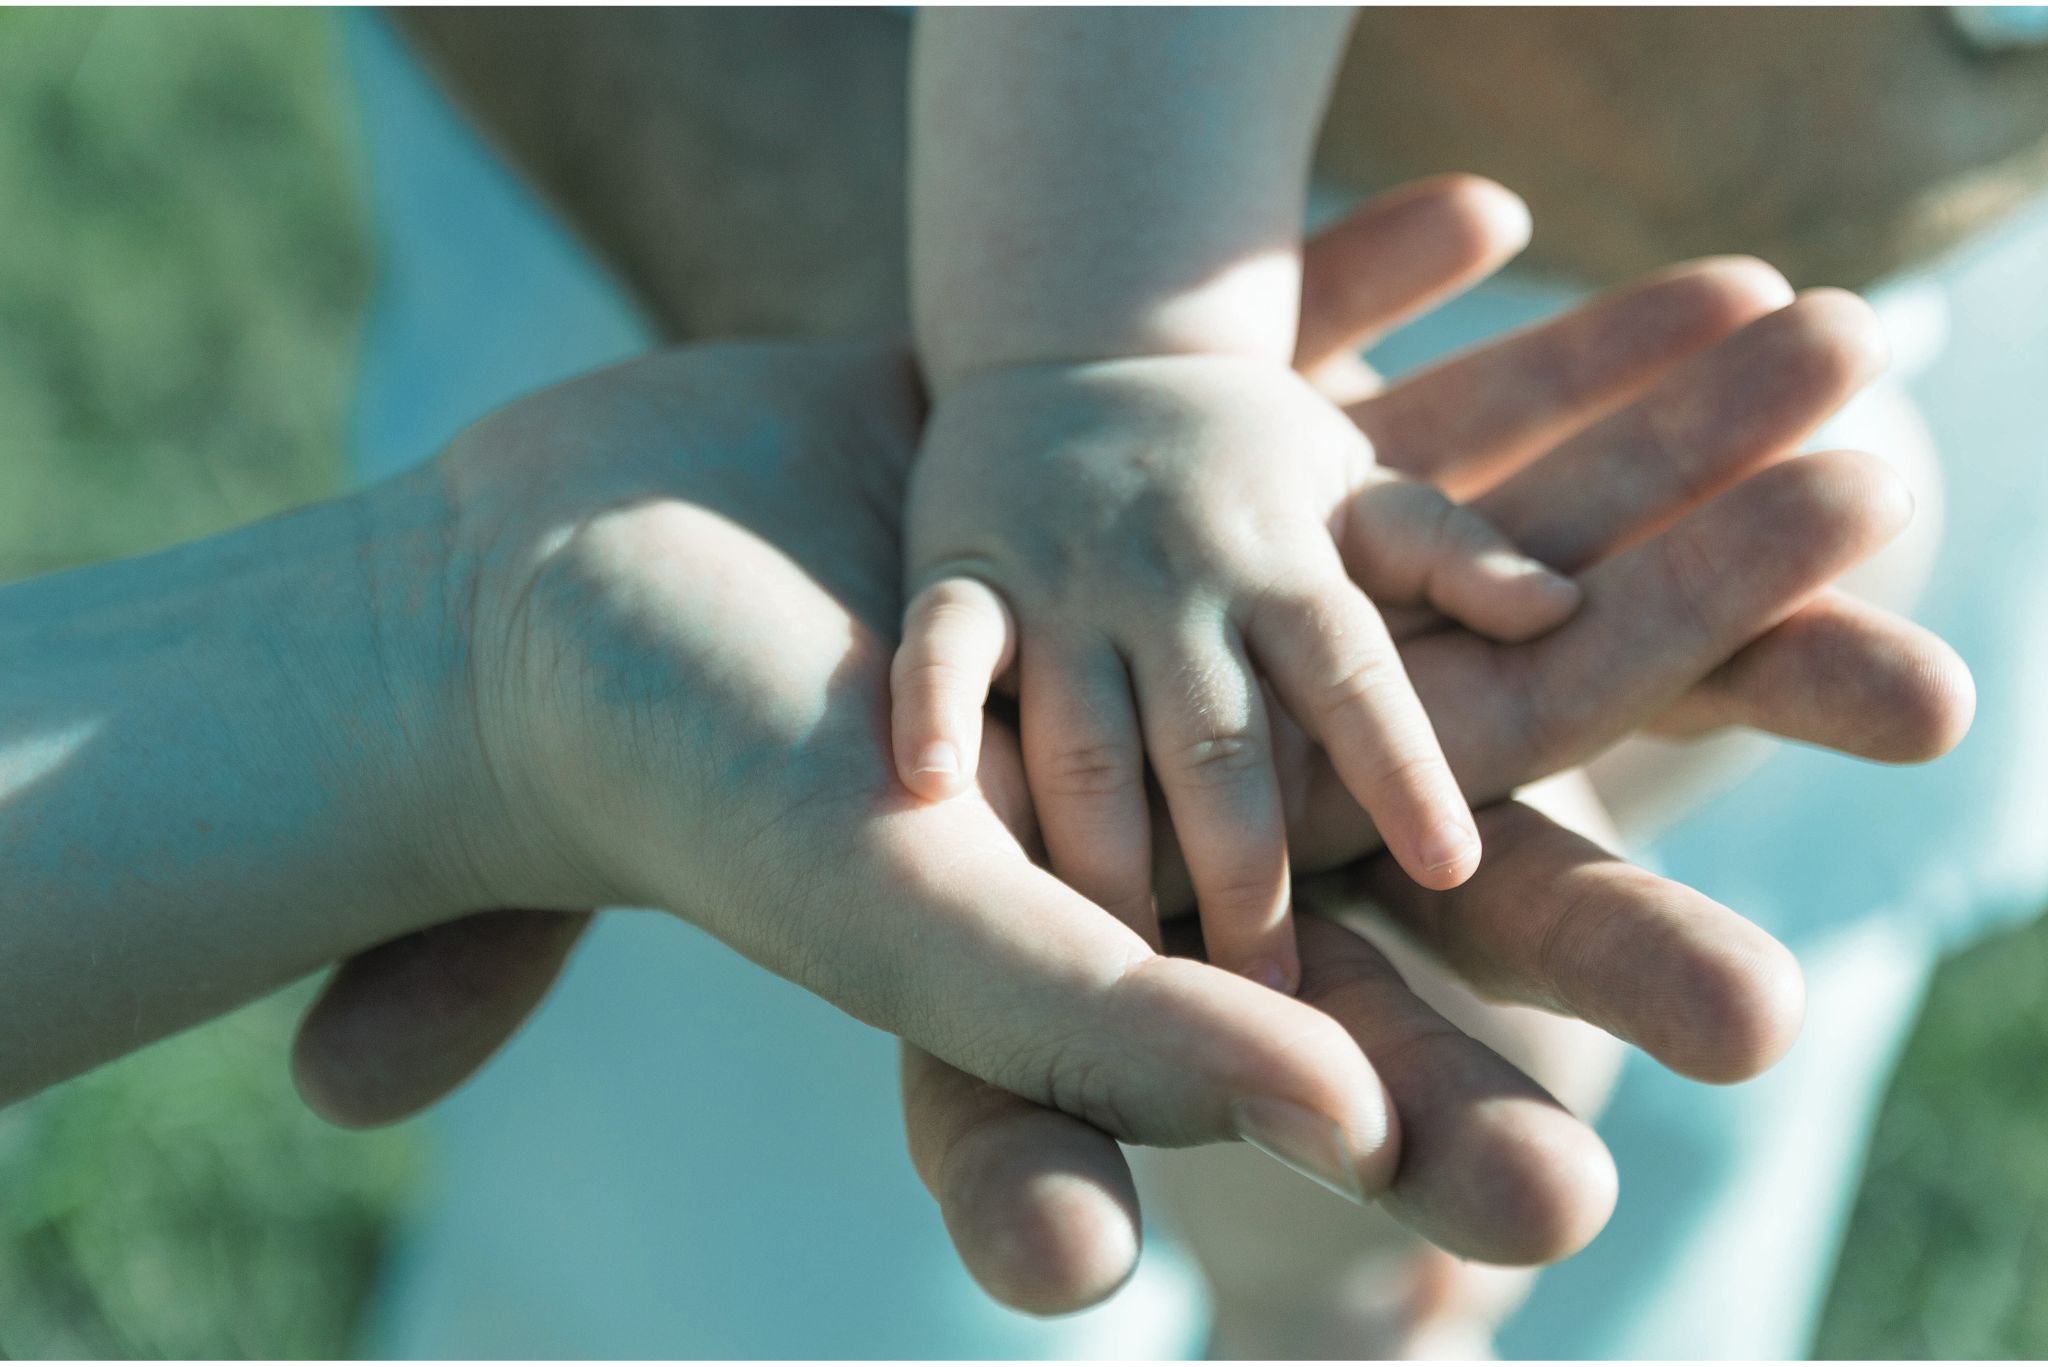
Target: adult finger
[935,926]
[400,1026]
[1467,422]
[1839,673]
[1040,1206]
[1399,255]
[1689,598]
[1656,619]
[1492,1167]
[1553,920]
[1711,421]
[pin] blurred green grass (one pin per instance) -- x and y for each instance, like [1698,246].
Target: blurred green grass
[182,268]
[1947,1252]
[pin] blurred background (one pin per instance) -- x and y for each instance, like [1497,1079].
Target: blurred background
[183,267]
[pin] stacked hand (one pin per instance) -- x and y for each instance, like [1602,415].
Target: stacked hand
[681,587]
[1152,527]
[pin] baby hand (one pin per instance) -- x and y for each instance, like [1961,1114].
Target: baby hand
[1143,540]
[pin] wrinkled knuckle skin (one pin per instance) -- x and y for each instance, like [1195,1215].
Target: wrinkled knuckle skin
[938,678]
[949,604]
[1695,576]
[1401,776]
[1083,1084]
[1219,760]
[1089,771]
[1242,892]
[1365,686]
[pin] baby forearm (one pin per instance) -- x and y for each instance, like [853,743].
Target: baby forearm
[214,775]
[1096,183]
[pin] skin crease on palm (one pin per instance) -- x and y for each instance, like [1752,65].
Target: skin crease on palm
[1039,1202]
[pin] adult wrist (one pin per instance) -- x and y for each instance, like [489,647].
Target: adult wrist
[221,767]
[400,723]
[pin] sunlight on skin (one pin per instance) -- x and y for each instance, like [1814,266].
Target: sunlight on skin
[30,759]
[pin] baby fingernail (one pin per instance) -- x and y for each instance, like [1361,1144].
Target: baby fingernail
[938,758]
[1512,564]
[1552,580]
[1311,1144]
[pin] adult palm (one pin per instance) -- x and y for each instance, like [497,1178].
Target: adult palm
[684,572]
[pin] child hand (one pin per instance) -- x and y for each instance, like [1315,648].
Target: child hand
[1138,537]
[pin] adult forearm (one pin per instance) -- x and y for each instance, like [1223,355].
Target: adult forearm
[219,769]
[740,168]
[1090,183]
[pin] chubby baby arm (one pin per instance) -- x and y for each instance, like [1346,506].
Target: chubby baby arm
[1125,500]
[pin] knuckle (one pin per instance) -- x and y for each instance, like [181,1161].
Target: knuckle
[1220,757]
[956,615]
[1694,577]
[1370,684]
[1565,947]
[949,607]
[1091,770]
[935,677]
[1668,432]
[1549,723]
[1433,513]
[1247,890]
[1414,528]
[1081,1083]
[1468,534]
[1403,775]
[952,596]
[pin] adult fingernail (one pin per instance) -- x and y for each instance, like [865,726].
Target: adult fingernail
[1311,1144]
[938,758]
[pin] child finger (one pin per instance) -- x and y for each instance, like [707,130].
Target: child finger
[1205,729]
[958,636]
[1328,656]
[1406,543]
[1085,763]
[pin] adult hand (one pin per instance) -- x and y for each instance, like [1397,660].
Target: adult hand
[1594,361]
[1550,920]
[678,580]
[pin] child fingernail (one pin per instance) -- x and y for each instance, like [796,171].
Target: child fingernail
[1448,847]
[938,758]
[1514,565]
[1558,585]
[1311,1144]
